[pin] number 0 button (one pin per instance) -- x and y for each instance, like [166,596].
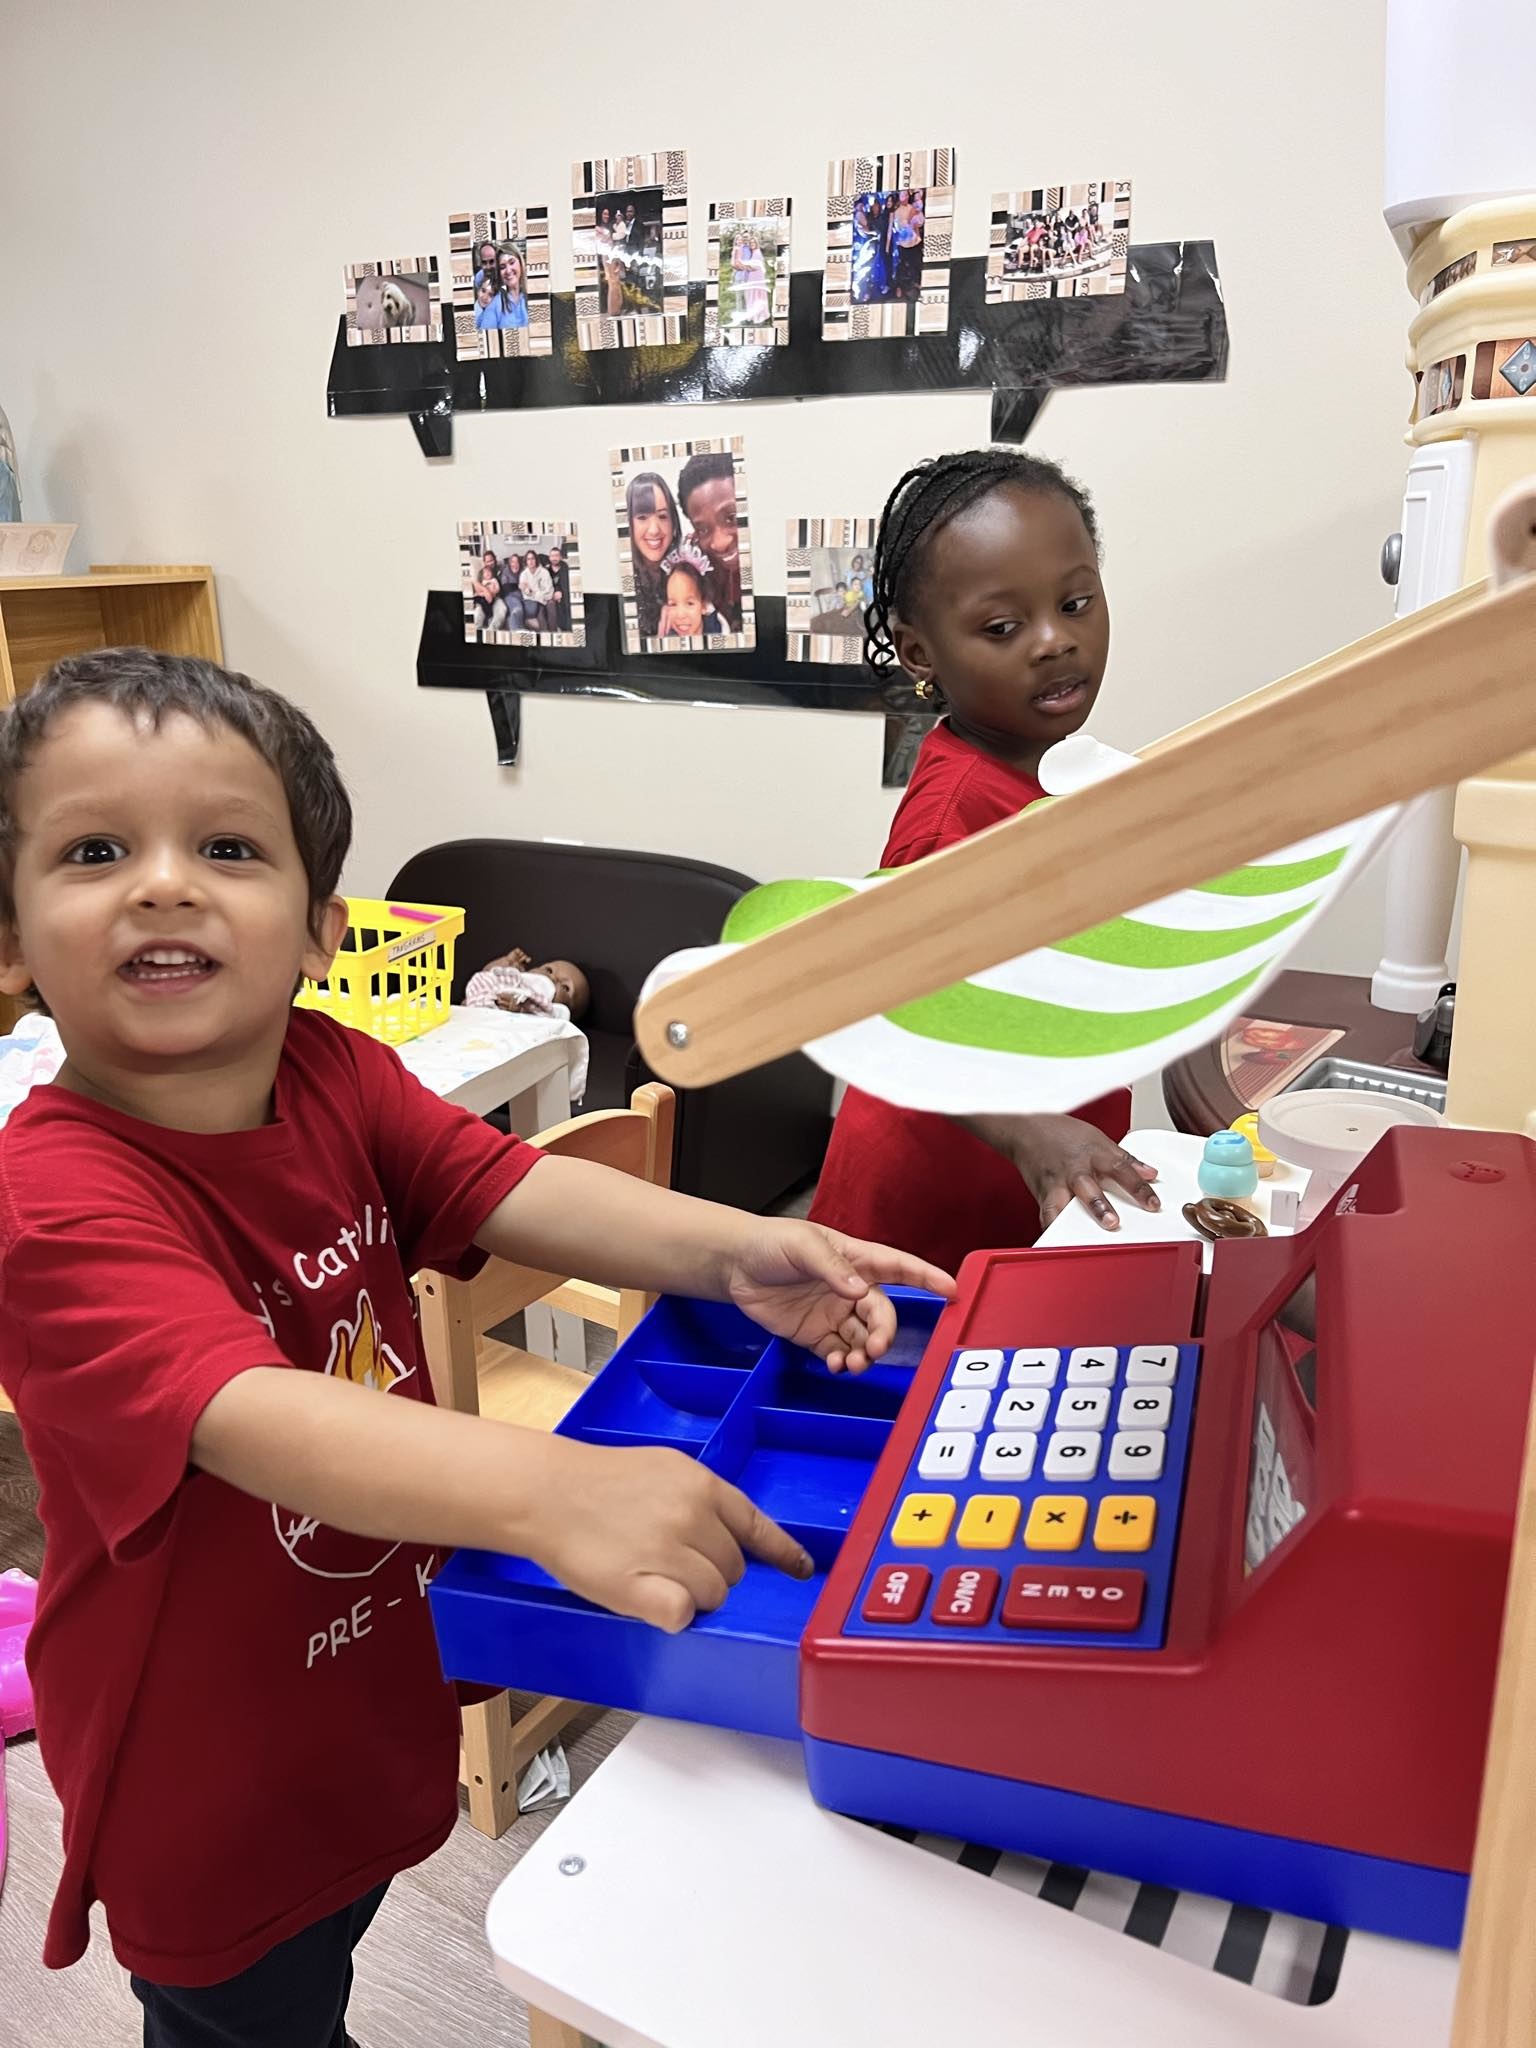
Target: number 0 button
[977,1369]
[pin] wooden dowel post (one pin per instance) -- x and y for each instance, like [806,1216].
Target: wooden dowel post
[1496,1997]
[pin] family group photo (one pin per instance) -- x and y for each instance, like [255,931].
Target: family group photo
[521,584]
[842,586]
[684,547]
[829,587]
[500,285]
[1059,242]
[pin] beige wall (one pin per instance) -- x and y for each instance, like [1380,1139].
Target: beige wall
[181,184]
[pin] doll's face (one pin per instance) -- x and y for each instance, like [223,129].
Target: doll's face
[571,985]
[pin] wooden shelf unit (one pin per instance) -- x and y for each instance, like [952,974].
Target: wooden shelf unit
[42,618]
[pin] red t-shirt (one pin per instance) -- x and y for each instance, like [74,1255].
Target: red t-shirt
[242,1710]
[905,1176]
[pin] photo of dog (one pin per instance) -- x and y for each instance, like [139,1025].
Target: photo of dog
[392,302]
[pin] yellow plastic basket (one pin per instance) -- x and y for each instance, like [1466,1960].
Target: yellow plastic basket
[394,974]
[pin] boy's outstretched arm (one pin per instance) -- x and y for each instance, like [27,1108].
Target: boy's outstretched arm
[804,1282]
[648,1533]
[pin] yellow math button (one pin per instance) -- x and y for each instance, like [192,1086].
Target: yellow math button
[990,1521]
[1056,1522]
[922,1520]
[1125,1521]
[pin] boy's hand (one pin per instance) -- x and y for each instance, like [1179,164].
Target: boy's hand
[1063,1159]
[818,1289]
[649,1533]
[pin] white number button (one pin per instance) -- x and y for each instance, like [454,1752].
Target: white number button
[947,1455]
[1009,1457]
[1153,1365]
[1034,1368]
[1072,1454]
[962,1408]
[1137,1454]
[977,1369]
[1093,1366]
[1082,1408]
[1022,1408]
[1145,1408]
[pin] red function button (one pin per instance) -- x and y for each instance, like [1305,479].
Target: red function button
[1061,1598]
[966,1596]
[897,1592]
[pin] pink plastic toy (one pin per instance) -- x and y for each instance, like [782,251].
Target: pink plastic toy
[18,1604]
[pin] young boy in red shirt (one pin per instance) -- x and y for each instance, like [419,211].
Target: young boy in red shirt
[207,1230]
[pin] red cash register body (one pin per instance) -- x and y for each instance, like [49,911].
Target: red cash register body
[1310,1734]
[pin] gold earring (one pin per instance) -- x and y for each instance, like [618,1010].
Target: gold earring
[923,687]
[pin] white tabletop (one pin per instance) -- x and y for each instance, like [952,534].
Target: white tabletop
[480,1059]
[715,1903]
[483,1059]
[694,1896]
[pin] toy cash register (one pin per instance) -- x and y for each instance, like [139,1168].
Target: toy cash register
[1196,1580]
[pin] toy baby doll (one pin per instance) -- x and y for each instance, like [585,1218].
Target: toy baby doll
[512,982]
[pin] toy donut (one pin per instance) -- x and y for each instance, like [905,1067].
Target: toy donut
[1216,1219]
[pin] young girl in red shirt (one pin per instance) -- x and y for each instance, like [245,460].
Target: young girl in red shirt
[987,593]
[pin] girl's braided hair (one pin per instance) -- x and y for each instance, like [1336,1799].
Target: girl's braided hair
[924,501]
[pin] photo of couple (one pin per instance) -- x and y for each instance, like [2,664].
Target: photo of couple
[521,584]
[684,548]
[746,297]
[625,244]
[747,274]
[888,245]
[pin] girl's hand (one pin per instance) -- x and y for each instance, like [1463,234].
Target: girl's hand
[818,1289]
[1062,1158]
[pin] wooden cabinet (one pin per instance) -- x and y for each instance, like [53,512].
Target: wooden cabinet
[138,605]
[44,617]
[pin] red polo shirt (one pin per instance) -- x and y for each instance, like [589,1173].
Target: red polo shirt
[904,1176]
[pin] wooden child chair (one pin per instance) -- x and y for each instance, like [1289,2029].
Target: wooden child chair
[474,1372]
